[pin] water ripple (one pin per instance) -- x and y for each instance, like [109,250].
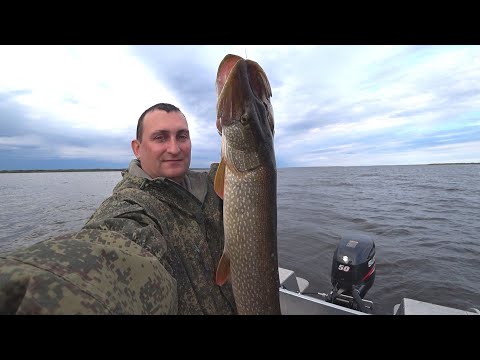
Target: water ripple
[424,220]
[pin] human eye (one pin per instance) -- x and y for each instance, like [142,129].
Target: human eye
[183,136]
[159,138]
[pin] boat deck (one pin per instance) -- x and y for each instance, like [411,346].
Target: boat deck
[294,302]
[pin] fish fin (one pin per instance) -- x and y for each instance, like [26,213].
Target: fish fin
[223,270]
[220,179]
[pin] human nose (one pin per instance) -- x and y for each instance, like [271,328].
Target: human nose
[173,147]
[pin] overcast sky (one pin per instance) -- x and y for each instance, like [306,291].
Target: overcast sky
[78,106]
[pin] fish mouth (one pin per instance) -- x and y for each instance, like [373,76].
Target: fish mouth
[240,82]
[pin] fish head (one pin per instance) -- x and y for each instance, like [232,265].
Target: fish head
[244,113]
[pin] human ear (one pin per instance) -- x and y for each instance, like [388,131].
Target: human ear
[136,148]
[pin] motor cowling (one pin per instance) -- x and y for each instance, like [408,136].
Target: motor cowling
[353,266]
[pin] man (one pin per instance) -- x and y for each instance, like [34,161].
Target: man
[152,247]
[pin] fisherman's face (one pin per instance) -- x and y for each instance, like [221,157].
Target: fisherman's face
[165,148]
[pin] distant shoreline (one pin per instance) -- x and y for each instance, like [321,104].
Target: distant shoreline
[69,170]
[57,170]
[123,169]
[473,163]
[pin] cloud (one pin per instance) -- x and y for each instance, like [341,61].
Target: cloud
[348,105]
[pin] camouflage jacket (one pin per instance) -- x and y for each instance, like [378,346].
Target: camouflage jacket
[150,248]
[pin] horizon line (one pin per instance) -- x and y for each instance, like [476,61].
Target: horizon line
[206,168]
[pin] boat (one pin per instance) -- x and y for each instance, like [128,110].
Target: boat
[353,274]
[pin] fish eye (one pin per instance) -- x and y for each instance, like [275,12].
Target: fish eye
[244,119]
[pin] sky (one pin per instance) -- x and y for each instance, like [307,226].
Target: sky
[76,107]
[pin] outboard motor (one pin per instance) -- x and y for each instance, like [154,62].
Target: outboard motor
[353,272]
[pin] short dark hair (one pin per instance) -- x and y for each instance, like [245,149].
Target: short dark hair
[160,106]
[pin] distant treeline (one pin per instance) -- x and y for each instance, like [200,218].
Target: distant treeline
[472,163]
[58,170]
[69,170]
[195,169]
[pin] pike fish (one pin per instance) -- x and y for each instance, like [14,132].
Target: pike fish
[246,180]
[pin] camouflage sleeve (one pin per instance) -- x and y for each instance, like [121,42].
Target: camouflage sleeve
[89,272]
[212,172]
[129,219]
